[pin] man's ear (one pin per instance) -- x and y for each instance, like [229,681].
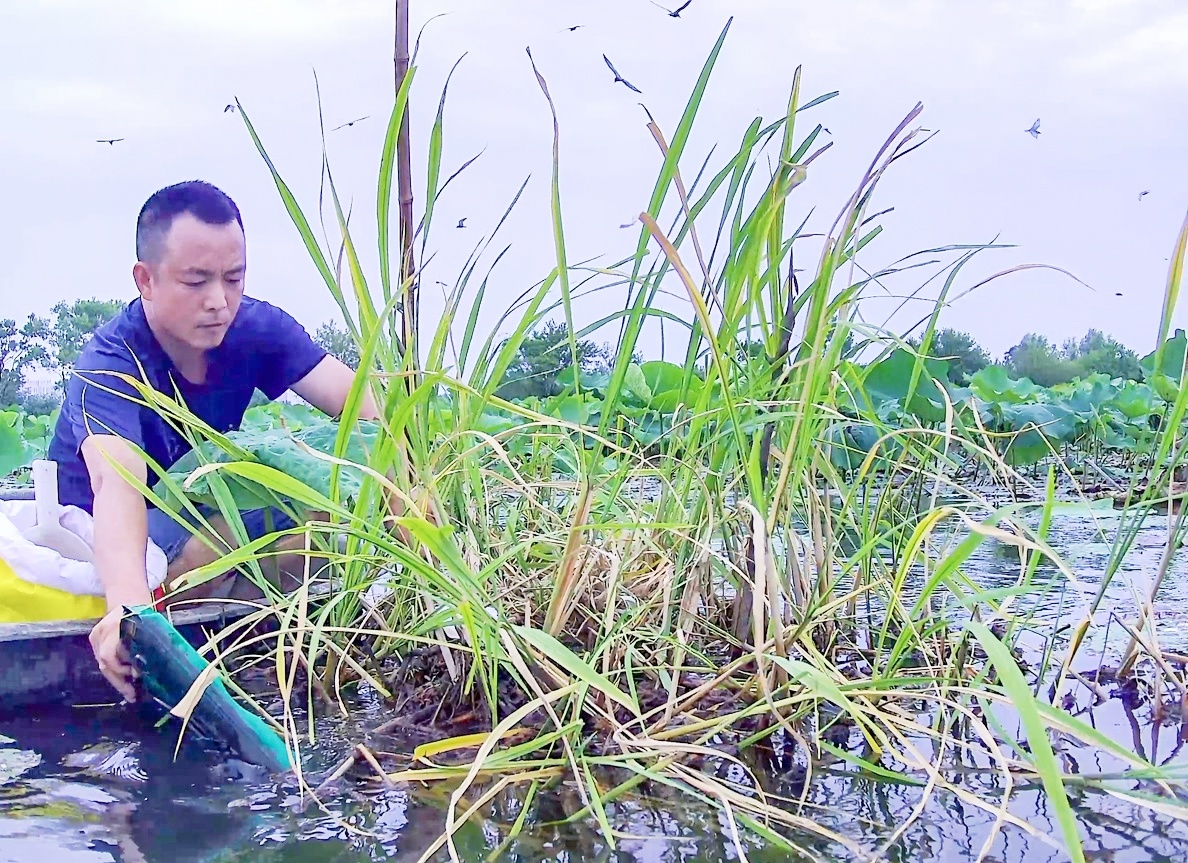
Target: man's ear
[144,280]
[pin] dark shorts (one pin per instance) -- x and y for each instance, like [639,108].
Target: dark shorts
[172,537]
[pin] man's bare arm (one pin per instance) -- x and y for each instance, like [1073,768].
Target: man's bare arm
[121,520]
[121,540]
[326,388]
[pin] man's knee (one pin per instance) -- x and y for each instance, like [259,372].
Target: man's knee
[285,562]
[195,554]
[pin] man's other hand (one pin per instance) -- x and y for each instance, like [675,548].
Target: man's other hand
[110,654]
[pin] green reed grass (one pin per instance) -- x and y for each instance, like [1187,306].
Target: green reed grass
[752,565]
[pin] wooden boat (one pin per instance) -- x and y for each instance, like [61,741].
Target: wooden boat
[51,663]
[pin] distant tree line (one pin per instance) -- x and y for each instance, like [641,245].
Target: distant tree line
[52,344]
[48,344]
[1038,358]
[1095,353]
[545,353]
[542,356]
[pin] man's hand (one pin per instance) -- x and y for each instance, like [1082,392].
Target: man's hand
[327,386]
[121,539]
[112,658]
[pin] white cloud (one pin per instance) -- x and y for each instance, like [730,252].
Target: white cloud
[1154,55]
[270,20]
[73,97]
[161,71]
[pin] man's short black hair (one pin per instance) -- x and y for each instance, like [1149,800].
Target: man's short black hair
[201,200]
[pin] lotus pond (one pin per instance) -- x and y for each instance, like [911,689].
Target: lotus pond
[99,784]
[791,593]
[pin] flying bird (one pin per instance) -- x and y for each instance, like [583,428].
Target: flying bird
[1118,294]
[628,225]
[462,221]
[230,108]
[1034,130]
[673,13]
[575,27]
[107,140]
[619,79]
[351,123]
[1147,192]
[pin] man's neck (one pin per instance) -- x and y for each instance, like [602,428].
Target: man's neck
[189,361]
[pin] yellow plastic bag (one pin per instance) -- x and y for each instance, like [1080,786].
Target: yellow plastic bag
[38,584]
[24,602]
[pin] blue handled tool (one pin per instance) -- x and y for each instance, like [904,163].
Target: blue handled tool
[168,665]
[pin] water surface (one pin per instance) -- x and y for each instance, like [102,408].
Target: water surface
[150,808]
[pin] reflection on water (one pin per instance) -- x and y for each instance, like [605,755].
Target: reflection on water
[99,786]
[1088,539]
[190,812]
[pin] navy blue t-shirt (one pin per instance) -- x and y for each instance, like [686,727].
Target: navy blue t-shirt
[264,348]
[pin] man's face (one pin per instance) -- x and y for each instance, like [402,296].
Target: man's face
[196,286]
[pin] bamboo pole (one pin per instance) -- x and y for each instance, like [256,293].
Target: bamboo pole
[408,280]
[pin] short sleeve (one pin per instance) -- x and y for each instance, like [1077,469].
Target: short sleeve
[291,353]
[99,401]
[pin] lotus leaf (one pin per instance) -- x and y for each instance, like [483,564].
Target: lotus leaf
[1037,427]
[1165,386]
[890,378]
[668,386]
[662,376]
[494,424]
[287,452]
[282,415]
[1054,420]
[849,443]
[635,386]
[1135,400]
[649,430]
[590,381]
[1088,396]
[571,409]
[1126,438]
[1172,362]
[990,414]
[567,376]
[12,447]
[994,384]
[958,394]
[37,431]
[864,436]
[842,454]
[1026,448]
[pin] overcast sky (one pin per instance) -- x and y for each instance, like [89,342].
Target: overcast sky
[1108,78]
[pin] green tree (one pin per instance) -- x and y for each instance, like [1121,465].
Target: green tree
[40,402]
[338,342]
[74,324]
[1038,359]
[20,348]
[543,354]
[966,357]
[1097,353]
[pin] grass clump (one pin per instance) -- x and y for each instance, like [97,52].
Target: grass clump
[611,615]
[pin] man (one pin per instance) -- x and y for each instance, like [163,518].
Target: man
[194,333]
